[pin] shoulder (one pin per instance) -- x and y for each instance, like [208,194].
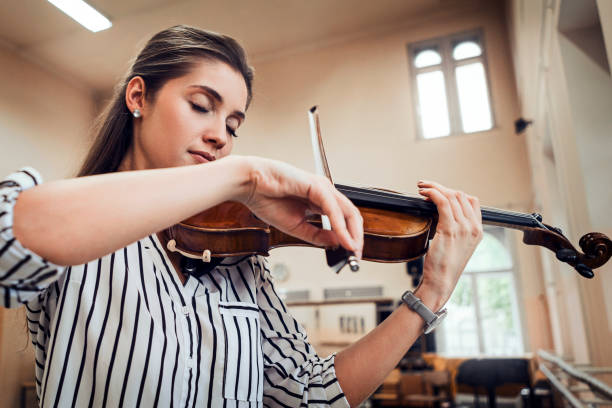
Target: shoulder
[25,178]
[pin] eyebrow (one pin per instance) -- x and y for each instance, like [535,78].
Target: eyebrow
[217,97]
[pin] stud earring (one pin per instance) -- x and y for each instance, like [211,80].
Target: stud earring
[136,113]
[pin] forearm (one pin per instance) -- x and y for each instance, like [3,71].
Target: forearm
[74,221]
[363,366]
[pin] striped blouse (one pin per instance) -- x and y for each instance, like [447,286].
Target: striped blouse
[123,330]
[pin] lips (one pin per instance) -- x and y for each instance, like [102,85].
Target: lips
[201,156]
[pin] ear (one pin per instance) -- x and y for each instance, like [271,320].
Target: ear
[135,94]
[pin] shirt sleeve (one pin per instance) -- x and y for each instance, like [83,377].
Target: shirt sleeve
[23,274]
[294,375]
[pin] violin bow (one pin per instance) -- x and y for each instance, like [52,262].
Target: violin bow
[337,258]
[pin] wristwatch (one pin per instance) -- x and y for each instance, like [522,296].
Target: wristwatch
[432,320]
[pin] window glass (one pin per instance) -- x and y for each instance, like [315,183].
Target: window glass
[458,334]
[466,49]
[450,86]
[499,318]
[473,97]
[433,108]
[427,58]
[490,255]
[483,310]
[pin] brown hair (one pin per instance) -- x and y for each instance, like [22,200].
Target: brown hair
[169,54]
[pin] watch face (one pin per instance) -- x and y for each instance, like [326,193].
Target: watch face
[435,322]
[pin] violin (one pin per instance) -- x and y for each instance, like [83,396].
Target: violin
[397,228]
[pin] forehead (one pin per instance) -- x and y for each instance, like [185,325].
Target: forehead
[219,76]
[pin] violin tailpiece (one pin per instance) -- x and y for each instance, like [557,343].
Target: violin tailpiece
[205,257]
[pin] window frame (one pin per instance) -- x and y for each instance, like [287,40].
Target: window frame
[517,307]
[444,45]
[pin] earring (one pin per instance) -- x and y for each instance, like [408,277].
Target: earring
[136,113]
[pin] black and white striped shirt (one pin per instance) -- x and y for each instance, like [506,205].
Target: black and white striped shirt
[124,331]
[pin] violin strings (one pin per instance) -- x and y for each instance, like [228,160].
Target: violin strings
[402,197]
[408,198]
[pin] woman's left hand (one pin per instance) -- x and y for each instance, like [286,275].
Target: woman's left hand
[458,233]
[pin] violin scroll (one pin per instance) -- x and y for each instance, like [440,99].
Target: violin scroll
[596,247]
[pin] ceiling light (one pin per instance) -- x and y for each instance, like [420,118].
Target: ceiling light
[84,14]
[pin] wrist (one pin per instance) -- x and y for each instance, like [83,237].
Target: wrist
[431,318]
[430,297]
[237,172]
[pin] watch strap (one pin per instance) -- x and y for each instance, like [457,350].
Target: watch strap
[431,319]
[414,303]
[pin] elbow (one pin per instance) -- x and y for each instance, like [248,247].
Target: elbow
[32,237]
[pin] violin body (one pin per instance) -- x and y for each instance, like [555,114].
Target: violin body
[231,229]
[397,228]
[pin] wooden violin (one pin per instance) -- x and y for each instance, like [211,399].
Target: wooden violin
[397,228]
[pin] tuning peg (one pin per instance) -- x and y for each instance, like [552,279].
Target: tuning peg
[566,255]
[585,271]
[557,230]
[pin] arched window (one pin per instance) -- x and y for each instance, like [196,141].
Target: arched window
[452,93]
[484,304]
[427,58]
[466,49]
[431,90]
[491,254]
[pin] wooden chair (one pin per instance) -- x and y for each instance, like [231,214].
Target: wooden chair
[388,394]
[434,390]
[411,385]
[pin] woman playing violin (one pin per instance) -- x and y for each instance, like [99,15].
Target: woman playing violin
[113,317]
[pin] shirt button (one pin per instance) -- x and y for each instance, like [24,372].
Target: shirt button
[190,363]
[185,310]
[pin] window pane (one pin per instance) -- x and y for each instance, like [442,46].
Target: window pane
[458,334]
[473,97]
[490,255]
[466,49]
[432,104]
[499,317]
[427,58]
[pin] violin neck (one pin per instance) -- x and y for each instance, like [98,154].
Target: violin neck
[369,197]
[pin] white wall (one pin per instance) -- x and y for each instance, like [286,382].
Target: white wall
[590,91]
[567,93]
[44,122]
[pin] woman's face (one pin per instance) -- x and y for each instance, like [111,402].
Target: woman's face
[192,119]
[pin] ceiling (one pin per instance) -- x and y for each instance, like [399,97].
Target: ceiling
[41,33]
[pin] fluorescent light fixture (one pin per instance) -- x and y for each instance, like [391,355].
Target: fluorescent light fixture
[83,14]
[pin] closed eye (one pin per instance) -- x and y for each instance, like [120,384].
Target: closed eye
[202,109]
[231,131]
[199,108]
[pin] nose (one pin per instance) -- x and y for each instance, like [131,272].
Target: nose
[216,134]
